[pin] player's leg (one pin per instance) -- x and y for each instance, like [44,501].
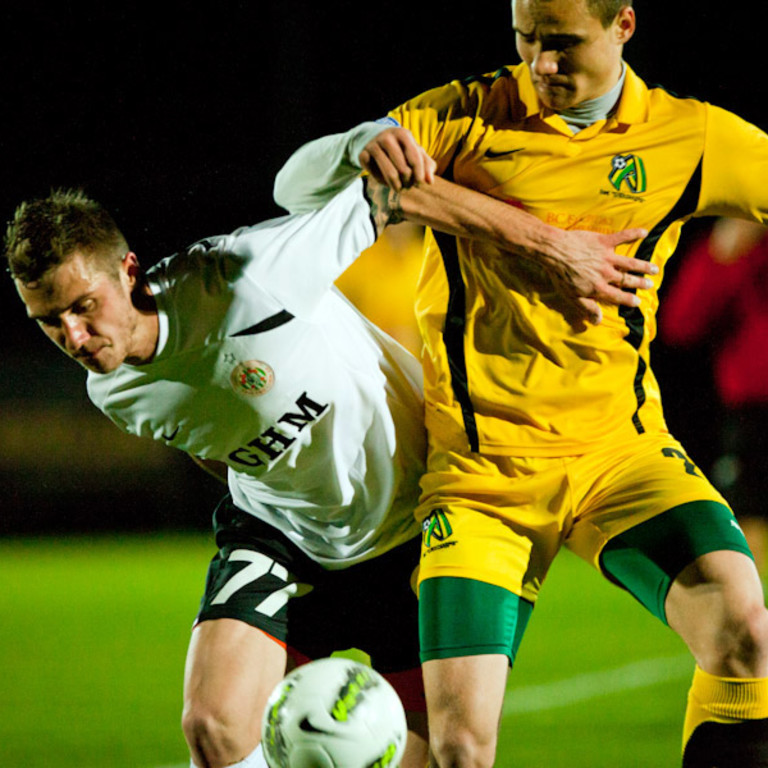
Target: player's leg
[464,712]
[470,633]
[690,566]
[371,610]
[655,526]
[231,669]
[491,528]
[416,753]
[409,685]
[237,653]
[716,605]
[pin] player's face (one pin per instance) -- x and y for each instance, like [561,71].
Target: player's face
[571,56]
[90,314]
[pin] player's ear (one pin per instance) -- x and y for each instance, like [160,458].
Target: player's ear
[624,24]
[130,267]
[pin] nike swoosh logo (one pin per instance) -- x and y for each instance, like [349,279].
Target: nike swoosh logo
[490,153]
[306,726]
[171,436]
[268,324]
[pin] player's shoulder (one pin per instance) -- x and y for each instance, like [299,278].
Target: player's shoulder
[689,112]
[497,81]
[668,102]
[218,258]
[205,274]
[474,94]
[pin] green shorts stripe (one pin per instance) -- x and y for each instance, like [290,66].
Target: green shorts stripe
[465,617]
[646,559]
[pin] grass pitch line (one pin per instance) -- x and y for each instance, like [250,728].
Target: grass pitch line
[591,685]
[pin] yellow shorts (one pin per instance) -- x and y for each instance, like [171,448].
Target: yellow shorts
[501,520]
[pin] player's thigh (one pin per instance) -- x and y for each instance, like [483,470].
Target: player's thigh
[648,514]
[465,695]
[493,519]
[230,671]
[716,604]
[237,653]
[370,607]
[462,617]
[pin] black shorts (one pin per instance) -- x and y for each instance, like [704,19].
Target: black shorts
[260,577]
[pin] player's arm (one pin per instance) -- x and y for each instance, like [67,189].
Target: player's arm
[733,168]
[586,263]
[317,171]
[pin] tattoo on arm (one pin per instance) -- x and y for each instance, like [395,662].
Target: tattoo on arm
[385,204]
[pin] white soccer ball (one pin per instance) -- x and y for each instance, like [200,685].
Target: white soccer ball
[333,713]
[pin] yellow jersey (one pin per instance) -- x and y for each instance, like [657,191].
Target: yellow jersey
[382,283]
[505,373]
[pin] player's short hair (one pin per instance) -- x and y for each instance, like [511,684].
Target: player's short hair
[45,232]
[607,10]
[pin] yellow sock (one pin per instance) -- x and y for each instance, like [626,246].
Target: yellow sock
[725,700]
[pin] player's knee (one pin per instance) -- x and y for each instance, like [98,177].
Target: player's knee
[214,740]
[741,645]
[461,748]
[746,644]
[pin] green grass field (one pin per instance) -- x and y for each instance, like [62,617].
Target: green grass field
[94,631]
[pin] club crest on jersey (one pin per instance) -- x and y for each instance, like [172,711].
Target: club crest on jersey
[628,172]
[253,378]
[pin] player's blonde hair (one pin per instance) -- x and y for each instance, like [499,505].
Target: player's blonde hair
[604,10]
[46,232]
[607,10]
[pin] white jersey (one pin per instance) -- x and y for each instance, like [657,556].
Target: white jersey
[263,365]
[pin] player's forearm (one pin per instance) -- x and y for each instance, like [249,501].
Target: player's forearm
[585,264]
[459,211]
[320,169]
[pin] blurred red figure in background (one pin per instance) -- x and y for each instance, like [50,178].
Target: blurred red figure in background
[720,298]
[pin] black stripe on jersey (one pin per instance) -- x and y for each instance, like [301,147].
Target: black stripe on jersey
[488,79]
[268,324]
[453,334]
[632,316]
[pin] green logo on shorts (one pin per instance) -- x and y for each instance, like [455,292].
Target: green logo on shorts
[436,527]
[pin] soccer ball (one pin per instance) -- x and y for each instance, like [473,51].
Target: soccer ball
[333,713]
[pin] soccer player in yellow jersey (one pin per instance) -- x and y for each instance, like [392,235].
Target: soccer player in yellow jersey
[542,434]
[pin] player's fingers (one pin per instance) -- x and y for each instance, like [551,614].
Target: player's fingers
[420,163]
[402,151]
[371,168]
[592,311]
[430,168]
[616,295]
[379,164]
[414,169]
[627,264]
[626,281]
[626,236]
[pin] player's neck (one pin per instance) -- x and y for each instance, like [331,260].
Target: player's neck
[147,331]
[588,112]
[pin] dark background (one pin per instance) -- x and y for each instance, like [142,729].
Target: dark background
[177,118]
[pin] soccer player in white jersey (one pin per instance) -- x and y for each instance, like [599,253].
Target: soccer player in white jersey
[238,351]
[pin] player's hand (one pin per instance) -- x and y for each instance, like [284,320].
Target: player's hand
[596,273]
[395,158]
